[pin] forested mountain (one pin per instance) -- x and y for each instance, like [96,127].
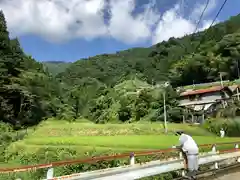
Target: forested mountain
[55,67]
[26,90]
[179,60]
[125,86]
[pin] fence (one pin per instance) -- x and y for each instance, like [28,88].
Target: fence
[131,157]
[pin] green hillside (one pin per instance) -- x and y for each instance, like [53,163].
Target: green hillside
[127,86]
[111,102]
[179,60]
[56,67]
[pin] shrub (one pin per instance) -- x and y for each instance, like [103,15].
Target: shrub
[230,126]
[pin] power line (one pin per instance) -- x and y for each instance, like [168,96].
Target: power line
[218,13]
[222,6]
[181,7]
[201,16]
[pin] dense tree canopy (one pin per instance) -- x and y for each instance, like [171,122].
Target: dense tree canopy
[126,86]
[26,90]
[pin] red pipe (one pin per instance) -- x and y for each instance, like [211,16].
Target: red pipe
[102,158]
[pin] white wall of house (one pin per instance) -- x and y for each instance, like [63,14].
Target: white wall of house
[203,98]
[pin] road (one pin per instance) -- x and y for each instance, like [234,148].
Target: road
[232,176]
[227,175]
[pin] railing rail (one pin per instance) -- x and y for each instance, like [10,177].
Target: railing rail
[132,155]
[137,171]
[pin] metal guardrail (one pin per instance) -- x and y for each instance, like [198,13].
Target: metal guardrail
[107,158]
[152,168]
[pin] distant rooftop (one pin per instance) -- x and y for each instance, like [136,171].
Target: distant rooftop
[233,87]
[209,84]
[203,91]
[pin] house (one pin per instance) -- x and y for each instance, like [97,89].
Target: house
[236,91]
[205,99]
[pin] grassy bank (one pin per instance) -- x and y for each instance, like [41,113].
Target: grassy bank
[119,143]
[84,137]
[64,128]
[212,84]
[61,140]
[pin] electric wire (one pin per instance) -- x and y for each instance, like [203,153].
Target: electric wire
[198,22]
[201,16]
[215,18]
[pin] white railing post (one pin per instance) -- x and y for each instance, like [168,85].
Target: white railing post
[180,155]
[183,173]
[132,159]
[50,173]
[236,146]
[214,150]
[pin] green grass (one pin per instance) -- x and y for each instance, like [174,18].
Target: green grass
[135,142]
[208,85]
[64,128]
[84,136]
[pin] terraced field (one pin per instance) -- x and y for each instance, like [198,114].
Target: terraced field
[85,137]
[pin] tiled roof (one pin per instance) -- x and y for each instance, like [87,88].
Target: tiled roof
[202,91]
[233,87]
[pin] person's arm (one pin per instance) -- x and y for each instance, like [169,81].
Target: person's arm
[181,141]
[180,145]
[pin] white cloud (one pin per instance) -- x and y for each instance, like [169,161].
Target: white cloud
[129,28]
[171,24]
[174,24]
[199,7]
[59,20]
[62,20]
[55,20]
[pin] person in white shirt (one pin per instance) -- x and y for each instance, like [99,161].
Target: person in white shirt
[190,151]
[222,133]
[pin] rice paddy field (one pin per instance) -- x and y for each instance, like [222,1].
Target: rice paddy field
[85,136]
[54,140]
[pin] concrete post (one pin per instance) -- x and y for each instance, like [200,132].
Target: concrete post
[214,150]
[50,173]
[236,146]
[132,159]
[180,155]
[216,165]
[183,173]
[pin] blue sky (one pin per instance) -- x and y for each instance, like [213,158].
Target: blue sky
[61,30]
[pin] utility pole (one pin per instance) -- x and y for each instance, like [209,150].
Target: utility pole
[194,84]
[238,69]
[238,94]
[165,112]
[166,84]
[221,79]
